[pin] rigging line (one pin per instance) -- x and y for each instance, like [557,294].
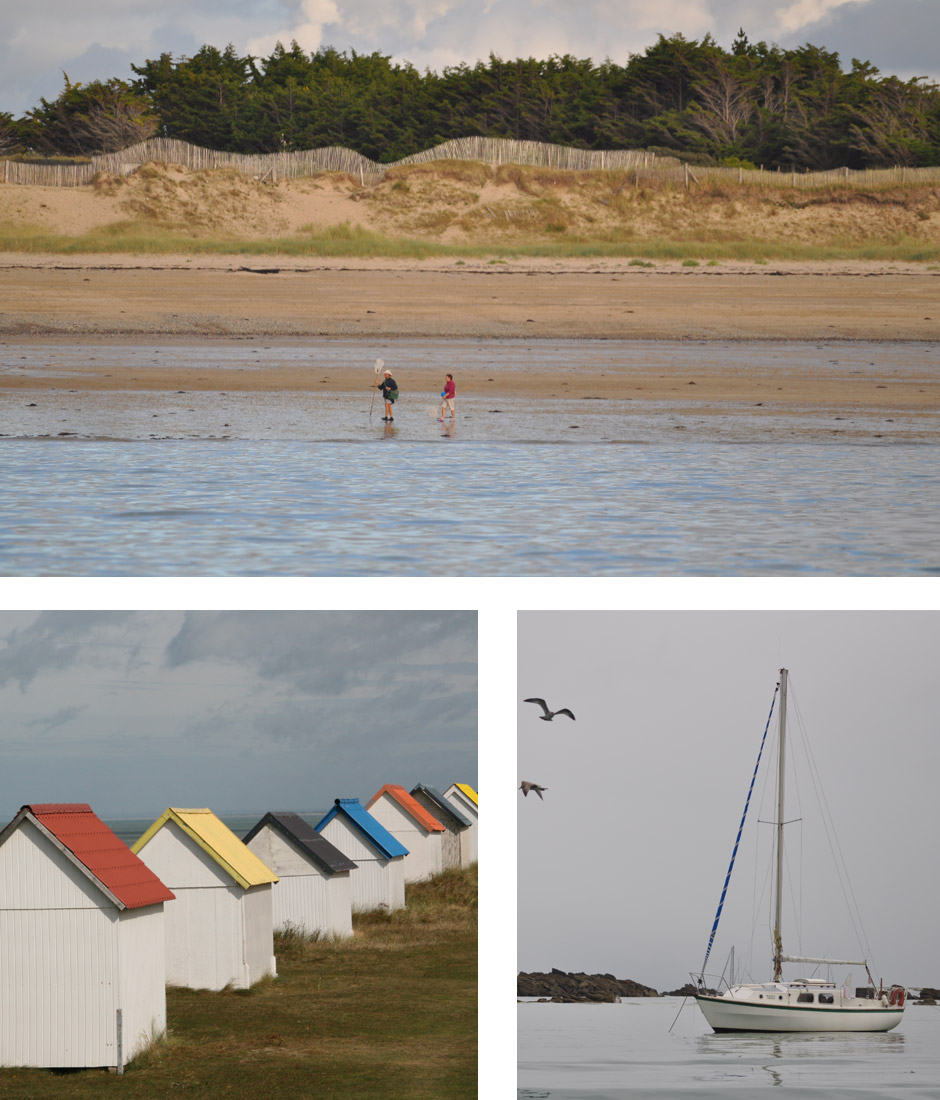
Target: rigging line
[724,891]
[768,795]
[796,895]
[759,906]
[832,837]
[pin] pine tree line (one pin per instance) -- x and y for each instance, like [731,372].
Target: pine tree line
[755,105]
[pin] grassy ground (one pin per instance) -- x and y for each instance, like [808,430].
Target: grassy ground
[388,1015]
[354,242]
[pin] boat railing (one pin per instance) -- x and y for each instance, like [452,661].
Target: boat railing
[712,984]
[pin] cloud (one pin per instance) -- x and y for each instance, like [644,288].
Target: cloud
[233,709]
[804,12]
[330,652]
[313,17]
[61,717]
[56,641]
[892,34]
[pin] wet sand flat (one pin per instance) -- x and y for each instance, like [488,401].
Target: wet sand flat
[319,388]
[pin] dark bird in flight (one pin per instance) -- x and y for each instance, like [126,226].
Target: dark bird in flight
[526,787]
[549,714]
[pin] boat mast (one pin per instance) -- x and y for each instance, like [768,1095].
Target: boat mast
[778,906]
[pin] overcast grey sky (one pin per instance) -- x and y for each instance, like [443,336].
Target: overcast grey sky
[621,867]
[241,711]
[101,38]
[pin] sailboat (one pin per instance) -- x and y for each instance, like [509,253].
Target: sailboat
[796,1004]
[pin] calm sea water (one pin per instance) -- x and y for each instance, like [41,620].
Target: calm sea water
[607,1052]
[451,508]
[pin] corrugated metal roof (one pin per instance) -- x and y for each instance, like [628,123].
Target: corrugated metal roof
[293,827]
[218,840]
[443,806]
[469,792]
[359,816]
[408,804]
[96,848]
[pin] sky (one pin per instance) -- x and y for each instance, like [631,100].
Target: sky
[620,868]
[97,39]
[240,711]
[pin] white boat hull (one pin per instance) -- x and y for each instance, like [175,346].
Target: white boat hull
[730,1014]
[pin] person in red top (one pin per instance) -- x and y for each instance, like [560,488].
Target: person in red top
[447,398]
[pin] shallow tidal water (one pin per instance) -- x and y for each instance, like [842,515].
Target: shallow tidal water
[542,413]
[609,1052]
[390,507]
[119,482]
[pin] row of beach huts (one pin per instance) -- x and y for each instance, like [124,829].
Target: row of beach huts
[92,931]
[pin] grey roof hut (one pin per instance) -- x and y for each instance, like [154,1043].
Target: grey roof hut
[313,894]
[449,816]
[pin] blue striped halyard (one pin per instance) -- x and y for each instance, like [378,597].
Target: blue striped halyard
[724,891]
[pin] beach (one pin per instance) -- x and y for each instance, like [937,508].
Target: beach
[176,415]
[218,300]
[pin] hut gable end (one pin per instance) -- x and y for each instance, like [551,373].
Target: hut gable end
[447,813]
[93,850]
[288,858]
[180,860]
[295,847]
[341,832]
[410,812]
[374,840]
[36,873]
[216,839]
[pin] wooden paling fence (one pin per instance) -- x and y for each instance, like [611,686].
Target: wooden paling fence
[494,151]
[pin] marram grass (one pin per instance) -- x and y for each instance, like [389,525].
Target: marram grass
[346,241]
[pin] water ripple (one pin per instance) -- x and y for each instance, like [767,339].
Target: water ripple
[479,509]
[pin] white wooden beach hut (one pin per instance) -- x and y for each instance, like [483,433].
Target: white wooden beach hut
[220,928]
[379,878]
[314,894]
[82,978]
[455,823]
[465,799]
[417,829]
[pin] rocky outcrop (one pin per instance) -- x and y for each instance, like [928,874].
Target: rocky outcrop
[563,988]
[687,990]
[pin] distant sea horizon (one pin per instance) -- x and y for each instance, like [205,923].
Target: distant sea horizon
[130,829]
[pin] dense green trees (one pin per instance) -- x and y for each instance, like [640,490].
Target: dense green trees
[86,119]
[754,104]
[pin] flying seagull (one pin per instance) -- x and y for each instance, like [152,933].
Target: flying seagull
[526,787]
[549,714]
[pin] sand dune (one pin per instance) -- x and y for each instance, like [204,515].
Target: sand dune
[474,203]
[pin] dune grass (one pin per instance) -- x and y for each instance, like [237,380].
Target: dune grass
[348,242]
[506,212]
[389,1014]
